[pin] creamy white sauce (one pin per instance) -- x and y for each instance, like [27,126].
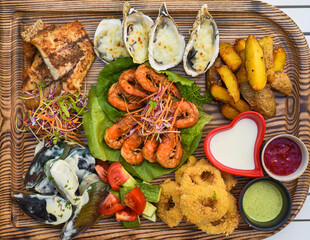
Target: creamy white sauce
[235,147]
[59,207]
[204,46]
[109,40]
[167,45]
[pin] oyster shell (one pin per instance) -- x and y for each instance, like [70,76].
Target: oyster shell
[108,41]
[47,209]
[136,29]
[203,45]
[166,45]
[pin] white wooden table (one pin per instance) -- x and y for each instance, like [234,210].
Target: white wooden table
[299,11]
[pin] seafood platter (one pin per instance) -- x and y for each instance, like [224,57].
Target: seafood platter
[143,120]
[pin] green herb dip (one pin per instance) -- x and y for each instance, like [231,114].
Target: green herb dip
[262,201]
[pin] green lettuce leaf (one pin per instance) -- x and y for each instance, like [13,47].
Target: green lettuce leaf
[102,115]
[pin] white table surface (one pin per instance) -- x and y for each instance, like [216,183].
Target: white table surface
[299,11]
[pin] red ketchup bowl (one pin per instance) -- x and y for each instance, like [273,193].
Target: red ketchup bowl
[235,148]
[285,157]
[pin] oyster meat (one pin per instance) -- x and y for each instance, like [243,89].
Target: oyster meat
[47,209]
[203,45]
[108,40]
[136,29]
[166,45]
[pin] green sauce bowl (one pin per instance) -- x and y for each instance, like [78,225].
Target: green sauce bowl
[265,204]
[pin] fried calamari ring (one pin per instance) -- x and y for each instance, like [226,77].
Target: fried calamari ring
[179,173]
[168,208]
[227,224]
[202,174]
[229,180]
[202,204]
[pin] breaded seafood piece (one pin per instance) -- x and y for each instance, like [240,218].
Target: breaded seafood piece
[203,204]
[191,161]
[227,224]
[168,208]
[67,51]
[229,180]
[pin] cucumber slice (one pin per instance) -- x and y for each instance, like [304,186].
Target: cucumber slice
[130,224]
[151,192]
[130,182]
[149,210]
[123,192]
[153,218]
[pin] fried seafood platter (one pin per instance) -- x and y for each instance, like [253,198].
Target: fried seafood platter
[125,127]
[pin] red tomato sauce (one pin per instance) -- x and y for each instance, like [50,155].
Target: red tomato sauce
[282,156]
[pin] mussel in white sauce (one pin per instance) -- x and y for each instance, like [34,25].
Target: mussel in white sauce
[166,45]
[108,40]
[203,45]
[47,209]
[136,29]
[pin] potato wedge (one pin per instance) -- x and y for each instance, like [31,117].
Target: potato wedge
[221,94]
[282,83]
[262,101]
[242,76]
[239,44]
[230,56]
[230,81]
[279,56]
[267,46]
[229,112]
[242,55]
[255,64]
[212,76]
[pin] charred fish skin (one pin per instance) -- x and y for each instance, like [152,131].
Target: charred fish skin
[81,161]
[203,45]
[136,29]
[166,44]
[86,212]
[47,209]
[35,172]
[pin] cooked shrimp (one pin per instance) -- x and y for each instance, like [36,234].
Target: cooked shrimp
[128,82]
[149,80]
[116,97]
[130,150]
[187,114]
[149,150]
[170,151]
[116,134]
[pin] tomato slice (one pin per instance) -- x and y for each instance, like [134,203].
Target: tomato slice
[111,204]
[117,176]
[126,215]
[135,199]
[102,170]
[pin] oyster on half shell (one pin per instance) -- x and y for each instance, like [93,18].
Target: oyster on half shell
[203,45]
[108,41]
[136,29]
[166,46]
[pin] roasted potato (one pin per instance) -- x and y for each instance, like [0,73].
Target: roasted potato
[221,94]
[242,55]
[239,44]
[255,64]
[212,76]
[229,112]
[230,56]
[282,83]
[242,76]
[279,56]
[267,46]
[230,81]
[263,101]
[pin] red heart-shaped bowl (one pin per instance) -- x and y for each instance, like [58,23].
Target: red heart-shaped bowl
[235,148]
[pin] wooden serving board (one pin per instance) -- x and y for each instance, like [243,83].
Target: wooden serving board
[235,19]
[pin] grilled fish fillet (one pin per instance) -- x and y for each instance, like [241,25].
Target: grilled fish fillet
[63,48]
